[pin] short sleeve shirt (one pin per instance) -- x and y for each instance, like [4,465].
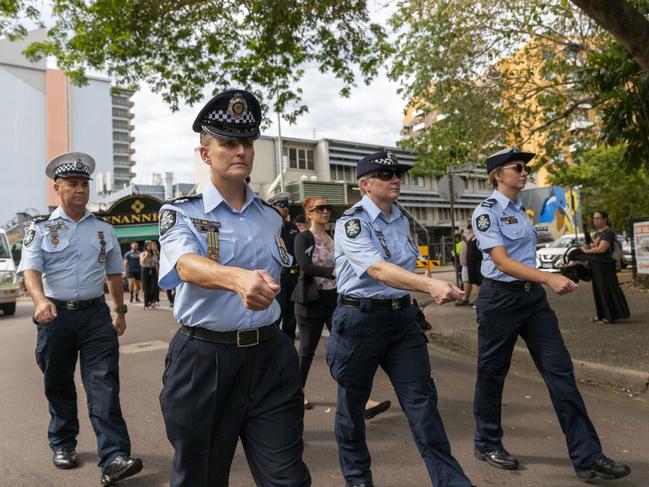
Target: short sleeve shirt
[73,257]
[132,258]
[498,221]
[364,237]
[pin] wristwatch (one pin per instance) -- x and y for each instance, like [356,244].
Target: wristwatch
[121,309]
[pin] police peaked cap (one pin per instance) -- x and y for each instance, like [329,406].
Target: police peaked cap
[279,197]
[377,161]
[71,164]
[510,154]
[231,115]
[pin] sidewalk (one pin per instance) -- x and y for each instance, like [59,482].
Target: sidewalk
[615,355]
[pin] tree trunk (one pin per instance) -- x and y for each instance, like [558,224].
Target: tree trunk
[624,22]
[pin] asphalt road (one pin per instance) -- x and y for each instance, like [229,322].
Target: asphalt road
[532,431]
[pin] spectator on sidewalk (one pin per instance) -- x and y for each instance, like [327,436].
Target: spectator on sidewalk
[610,302]
[149,263]
[512,302]
[133,270]
[467,284]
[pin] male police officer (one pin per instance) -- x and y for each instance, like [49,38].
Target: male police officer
[65,260]
[289,274]
[511,303]
[229,372]
[375,324]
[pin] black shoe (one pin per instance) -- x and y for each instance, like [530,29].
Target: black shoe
[462,303]
[606,469]
[137,299]
[65,458]
[499,458]
[120,468]
[364,484]
[381,407]
[131,298]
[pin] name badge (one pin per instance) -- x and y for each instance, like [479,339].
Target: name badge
[508,220]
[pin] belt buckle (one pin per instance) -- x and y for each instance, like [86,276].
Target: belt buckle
[246,345]
[396,304]
[527,286]
[72,305]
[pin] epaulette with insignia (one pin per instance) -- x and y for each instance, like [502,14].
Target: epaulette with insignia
[40,218]
[489,202]
[270,206]
[353,210]
[182,199]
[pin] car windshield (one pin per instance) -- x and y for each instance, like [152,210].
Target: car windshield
[563,242]
[4,248]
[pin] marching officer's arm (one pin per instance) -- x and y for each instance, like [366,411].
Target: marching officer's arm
[31,267]
[490,240]
[365,257]
[181,261]
[114,280]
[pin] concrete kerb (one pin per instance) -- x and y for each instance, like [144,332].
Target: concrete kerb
[465,342]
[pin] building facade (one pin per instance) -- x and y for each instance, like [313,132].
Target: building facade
[44,115]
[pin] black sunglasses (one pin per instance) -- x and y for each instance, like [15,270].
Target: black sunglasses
[323,208]
[281,204]
[518,167]
[387,174]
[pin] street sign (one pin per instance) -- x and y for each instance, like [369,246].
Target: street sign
[443,187]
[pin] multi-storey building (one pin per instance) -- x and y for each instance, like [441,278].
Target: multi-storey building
[44,115]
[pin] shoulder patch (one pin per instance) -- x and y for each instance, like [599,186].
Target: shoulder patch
[353,228]
[483,222]
[182,199]
[167,221]
[353,210]
[29,237]
[489,202]
[270,206]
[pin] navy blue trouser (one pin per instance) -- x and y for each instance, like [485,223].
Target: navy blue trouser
[503,315]
[214,394]
[89,335]
[360,341]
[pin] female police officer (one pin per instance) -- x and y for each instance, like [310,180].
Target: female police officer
[229,373]
[511,303]
[374,324]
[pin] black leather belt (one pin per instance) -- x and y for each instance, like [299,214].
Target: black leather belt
[240,338]
[520,286]
[78,305]
[376,303]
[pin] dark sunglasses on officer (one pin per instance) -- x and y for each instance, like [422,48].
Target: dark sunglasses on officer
[519,166]
[322,208]
[281,204]
[387,174]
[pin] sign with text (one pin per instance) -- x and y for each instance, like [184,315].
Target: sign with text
[133,210]
[641,245]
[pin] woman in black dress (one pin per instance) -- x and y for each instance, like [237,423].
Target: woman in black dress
[610,302]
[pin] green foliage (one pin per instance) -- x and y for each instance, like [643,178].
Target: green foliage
[13,14]
[180,47]
[607,184]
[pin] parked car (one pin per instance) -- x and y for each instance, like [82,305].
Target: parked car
[626,250]
[8,282]
[549,256]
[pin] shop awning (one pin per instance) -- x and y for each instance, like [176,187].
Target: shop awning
[130,233]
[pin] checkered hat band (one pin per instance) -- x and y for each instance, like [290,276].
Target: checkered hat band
[222,116]
[385,162]
[71,167]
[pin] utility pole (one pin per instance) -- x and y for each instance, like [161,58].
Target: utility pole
[280,150]
[452,205]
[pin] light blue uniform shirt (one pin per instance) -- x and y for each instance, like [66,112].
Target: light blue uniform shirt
[67,253]
[246,239]
[500,222]
[363,238]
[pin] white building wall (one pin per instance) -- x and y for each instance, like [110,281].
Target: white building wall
[23,141]
[91,125]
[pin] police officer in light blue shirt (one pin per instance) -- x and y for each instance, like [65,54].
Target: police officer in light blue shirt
[229,372]
[65,261]
[512,302]
[374,325]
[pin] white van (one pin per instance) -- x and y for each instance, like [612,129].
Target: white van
[8,282]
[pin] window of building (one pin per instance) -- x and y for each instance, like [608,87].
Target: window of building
[418,212]
[418,181]
[343,173]
[444,214]
[300,158]
[481,184]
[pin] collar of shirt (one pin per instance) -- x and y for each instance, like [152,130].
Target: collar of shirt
[374,211]
[60,213]
[504,201]
[212,198]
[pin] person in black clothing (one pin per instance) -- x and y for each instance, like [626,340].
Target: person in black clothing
[289,274]
[610,302]
[315,294]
